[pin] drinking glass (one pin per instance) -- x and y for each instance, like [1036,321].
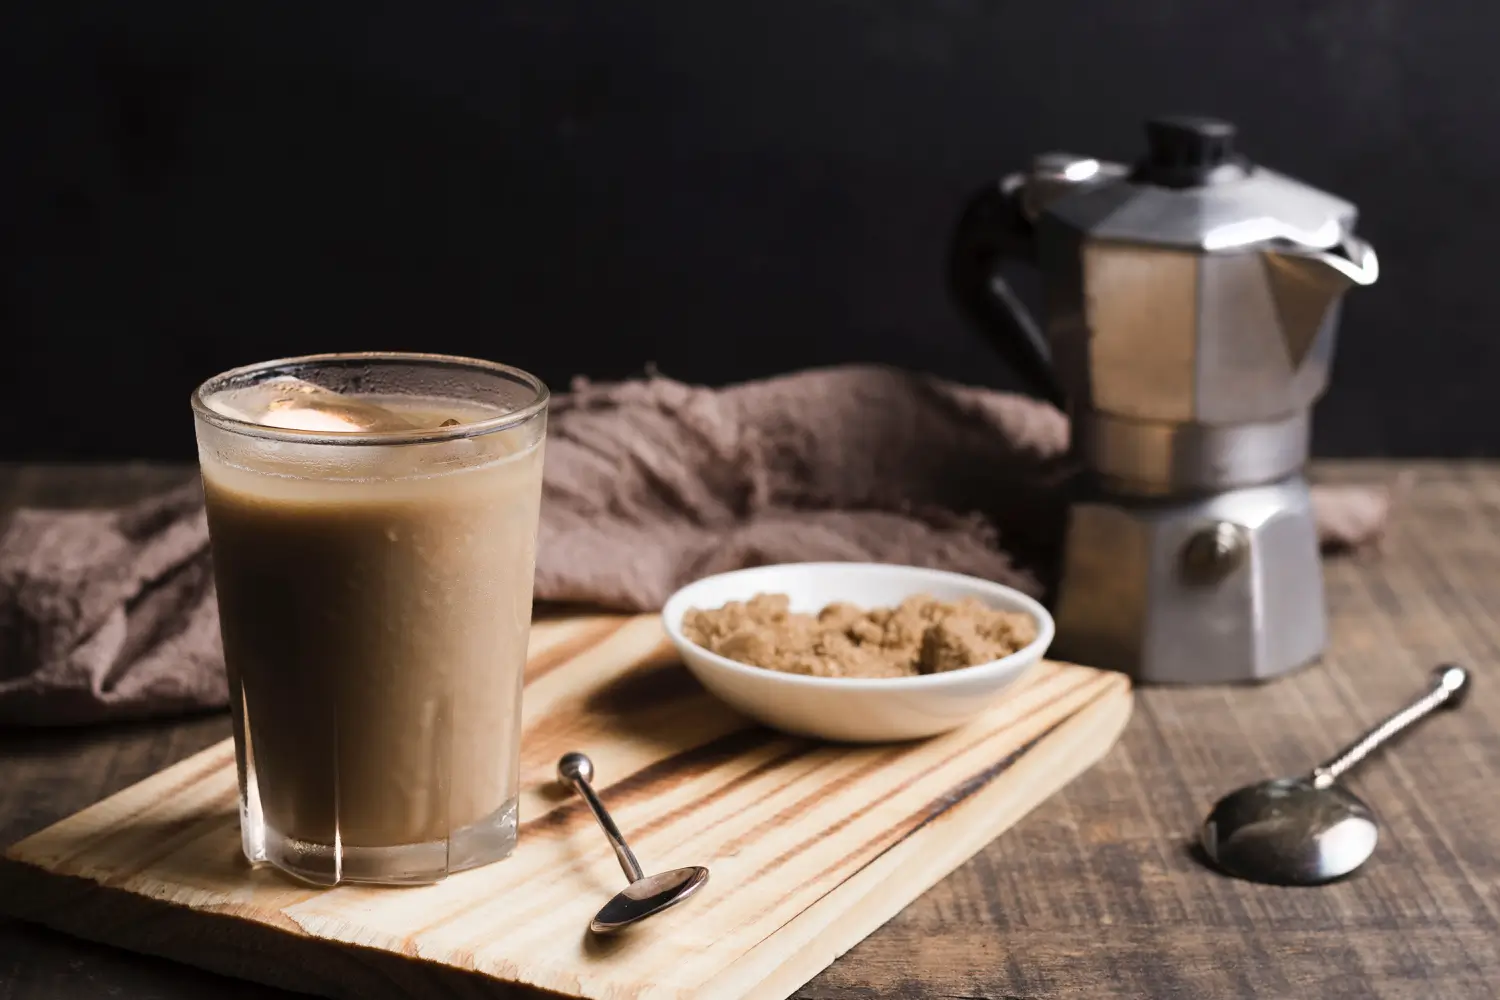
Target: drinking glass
[373,521]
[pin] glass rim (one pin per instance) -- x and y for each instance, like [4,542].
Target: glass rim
[512,418]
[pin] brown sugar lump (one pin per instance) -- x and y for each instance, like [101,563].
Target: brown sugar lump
[921,635]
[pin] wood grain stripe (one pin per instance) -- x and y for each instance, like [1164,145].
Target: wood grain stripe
[222,816]
[891,791]
[777,763]
[952,798]
[167,786]
[587,638]
[670,770]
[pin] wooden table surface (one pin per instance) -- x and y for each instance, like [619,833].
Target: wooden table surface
[1097,893]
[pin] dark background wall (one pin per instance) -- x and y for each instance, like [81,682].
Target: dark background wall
[727,190]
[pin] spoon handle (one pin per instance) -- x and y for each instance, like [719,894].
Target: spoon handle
[628,863]
[1449,685]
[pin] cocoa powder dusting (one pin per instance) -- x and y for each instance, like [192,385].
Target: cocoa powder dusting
[922,635]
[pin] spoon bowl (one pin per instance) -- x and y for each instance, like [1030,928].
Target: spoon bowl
[648,897]
[1288,831]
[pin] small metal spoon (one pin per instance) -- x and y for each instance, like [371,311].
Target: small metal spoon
[1309,830]
[644,896]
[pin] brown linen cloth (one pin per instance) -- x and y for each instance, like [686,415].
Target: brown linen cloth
[109,614]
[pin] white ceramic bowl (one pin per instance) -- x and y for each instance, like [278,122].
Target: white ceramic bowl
[856,710]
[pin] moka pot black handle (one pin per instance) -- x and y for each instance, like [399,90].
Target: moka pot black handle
[991,230]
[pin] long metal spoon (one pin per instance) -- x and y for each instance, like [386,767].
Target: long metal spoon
[1310,830]
[644,896]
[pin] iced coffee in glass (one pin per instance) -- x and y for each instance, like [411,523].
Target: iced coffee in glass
[373,521]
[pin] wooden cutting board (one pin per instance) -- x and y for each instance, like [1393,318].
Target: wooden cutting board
[811,846]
